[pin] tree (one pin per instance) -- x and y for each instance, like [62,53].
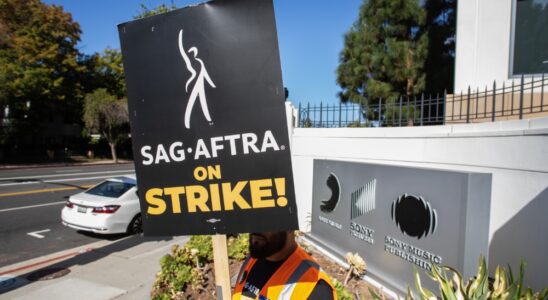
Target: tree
[440,62]
[384,53]
[40,67]
[160,9]
[108,71]
[108,116]
[105,108]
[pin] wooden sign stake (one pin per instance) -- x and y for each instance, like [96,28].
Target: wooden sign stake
[220,260]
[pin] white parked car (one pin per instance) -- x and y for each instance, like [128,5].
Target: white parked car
[112,206]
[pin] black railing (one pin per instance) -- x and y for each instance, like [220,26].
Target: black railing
[524,98]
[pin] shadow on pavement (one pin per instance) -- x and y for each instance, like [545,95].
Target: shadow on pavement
[67,185]
[109,237]
[10,283]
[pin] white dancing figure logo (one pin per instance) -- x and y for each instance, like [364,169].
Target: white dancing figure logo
[198,90]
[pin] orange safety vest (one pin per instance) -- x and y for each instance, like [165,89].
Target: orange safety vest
[294,279]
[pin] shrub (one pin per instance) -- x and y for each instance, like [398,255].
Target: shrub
[176,273]
[342,292]
[451,285]
[356,124]
[504,286]
[183,266]
[203,244]
[238,246]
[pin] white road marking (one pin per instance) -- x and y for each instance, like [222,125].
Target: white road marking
[31,206]
[37,234]
[67,174]
[68,171]
[55,180]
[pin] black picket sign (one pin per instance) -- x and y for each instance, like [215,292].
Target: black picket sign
[208,123]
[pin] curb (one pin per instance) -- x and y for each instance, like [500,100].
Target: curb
[40,262]
[45,261]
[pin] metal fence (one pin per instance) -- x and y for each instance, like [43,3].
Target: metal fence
[521,98]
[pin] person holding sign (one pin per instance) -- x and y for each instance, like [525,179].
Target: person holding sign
[278,268]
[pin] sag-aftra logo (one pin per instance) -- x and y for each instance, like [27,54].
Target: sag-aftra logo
[197,82]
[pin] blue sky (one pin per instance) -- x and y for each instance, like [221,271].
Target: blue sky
[310,35]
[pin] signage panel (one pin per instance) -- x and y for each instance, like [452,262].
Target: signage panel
[401,218]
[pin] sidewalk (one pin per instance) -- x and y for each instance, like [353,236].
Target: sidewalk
[122,269]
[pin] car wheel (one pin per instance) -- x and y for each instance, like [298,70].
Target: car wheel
[136,225]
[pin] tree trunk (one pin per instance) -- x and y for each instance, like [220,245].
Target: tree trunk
[113,152]
[409,82]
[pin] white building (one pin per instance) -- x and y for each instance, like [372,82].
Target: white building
[498,40]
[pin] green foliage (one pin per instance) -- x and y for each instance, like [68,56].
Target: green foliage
[184,265]
[409,114]
[203,244]
[307,123]
[384,52]
[41,66]
[452,286]
[177,271]
[378,294]
[107,115]
[238,247]
[109,70]
[160,9]
[357,124]
[440,62]
[398,48]
[342,292]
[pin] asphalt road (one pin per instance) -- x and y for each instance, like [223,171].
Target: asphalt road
[30,209]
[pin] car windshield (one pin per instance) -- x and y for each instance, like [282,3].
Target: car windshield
[111,189]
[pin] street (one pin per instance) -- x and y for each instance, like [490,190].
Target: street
[30,209]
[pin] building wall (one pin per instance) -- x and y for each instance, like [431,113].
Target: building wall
[514,152]
[483,46]
[506,106]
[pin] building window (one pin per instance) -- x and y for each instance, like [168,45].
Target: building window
[530,37]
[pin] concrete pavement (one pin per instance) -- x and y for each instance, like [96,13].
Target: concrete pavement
[121,269]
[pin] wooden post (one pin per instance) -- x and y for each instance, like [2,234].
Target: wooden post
[222,274]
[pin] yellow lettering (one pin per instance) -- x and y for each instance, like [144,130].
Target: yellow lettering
[214,172]
[196,196]
[200,173]
[174,192]
[157,206]
[224,196]
[260,189]
[215,197]
[231,196]
[280,188]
